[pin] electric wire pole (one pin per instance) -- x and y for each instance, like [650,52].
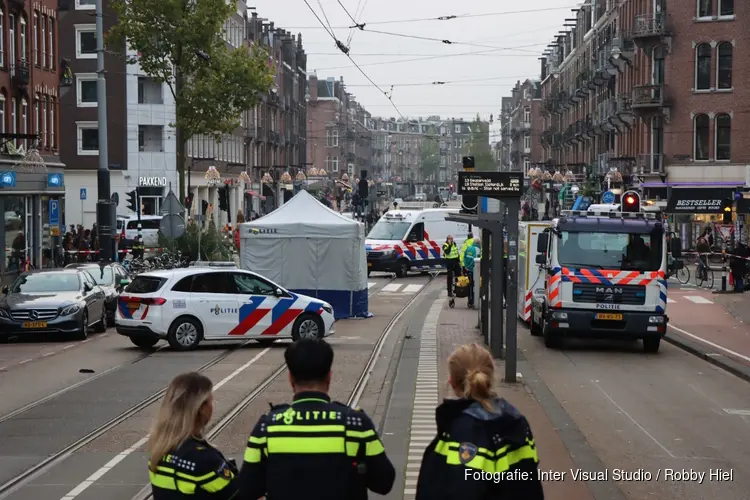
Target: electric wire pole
[105,210]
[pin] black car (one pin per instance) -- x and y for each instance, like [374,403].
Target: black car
[53,301]
[112,278]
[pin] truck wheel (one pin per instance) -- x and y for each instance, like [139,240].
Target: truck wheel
[403,268]
[651,344]
[550,341]
[534,328]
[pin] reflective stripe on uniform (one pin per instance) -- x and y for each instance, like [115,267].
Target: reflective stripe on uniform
[310,439]
[167,478]
[487,460]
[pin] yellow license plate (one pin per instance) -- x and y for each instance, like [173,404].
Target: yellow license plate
[608,316]
[369,264]
[34,324]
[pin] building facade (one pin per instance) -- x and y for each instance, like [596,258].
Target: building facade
[650,88]
[525,126]
[31,173]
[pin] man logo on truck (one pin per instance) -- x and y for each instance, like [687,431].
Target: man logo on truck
[611,290]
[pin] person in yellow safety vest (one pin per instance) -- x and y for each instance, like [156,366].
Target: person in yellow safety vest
[452,264]
[468,243]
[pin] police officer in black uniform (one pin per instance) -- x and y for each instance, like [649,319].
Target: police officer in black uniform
[314,448]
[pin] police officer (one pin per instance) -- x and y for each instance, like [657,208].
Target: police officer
[468,243]
[484,448]
[452,265]
[182,463]
[314,448]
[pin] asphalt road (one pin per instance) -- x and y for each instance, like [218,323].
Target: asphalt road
[653,415]
[28,438]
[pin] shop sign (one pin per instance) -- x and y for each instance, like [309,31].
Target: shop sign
[152,181]
[7,179]
[695,201]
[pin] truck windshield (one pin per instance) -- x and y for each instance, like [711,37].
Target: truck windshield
[389,229]
[623,251]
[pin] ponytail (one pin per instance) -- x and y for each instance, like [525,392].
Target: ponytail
[473,370]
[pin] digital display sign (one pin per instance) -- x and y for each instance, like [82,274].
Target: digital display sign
[490,184]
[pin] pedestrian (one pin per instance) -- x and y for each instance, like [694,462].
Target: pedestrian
[182,464]
[737,267]
[480,437]
[470,254]
[452,265]
[314,448]
[467,243]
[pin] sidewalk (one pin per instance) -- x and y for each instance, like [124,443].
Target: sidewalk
[458,326]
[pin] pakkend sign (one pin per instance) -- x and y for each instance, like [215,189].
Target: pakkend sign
[491,184]
[152,182]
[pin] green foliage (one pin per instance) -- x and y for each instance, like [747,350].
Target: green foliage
[181,43]
[430,154]
[213,245]
[479,146]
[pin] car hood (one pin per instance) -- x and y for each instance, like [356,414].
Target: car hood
[40,300]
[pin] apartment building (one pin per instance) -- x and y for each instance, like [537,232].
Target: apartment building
[525,126]
[31,173]
[649,87]
[505,140]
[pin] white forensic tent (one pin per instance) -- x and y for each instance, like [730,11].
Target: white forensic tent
[312,250]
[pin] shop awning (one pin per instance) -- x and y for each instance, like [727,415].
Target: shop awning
[255,193]
[697,200]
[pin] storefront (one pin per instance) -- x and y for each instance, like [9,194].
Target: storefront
[151,192]
[33,205]
[693,209]
[207,190]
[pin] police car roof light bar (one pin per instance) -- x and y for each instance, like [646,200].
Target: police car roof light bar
[611,215]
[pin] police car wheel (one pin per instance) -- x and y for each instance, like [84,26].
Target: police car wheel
[184,334]
[308,326]
[143,342]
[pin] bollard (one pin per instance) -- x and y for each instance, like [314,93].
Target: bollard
[724,276]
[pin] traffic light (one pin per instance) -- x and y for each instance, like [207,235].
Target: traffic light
[726,211]
[224,199]
[204,207]
[188,201]
[451,188]
[631,202]
[468,202]
[133,200]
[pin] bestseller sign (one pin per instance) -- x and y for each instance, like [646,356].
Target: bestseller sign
[491,184]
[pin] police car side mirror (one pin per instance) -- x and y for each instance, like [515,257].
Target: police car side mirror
[6,290]
[676,247]
[278,292]
[541,259]
[87,287]
[542,242]
[124,283]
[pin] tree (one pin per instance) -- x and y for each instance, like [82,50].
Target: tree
[180,43]
[479,146]
[430,155]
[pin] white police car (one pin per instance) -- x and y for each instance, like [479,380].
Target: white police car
[187,305]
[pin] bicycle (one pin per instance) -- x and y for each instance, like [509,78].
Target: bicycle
[704,276]
[682,275]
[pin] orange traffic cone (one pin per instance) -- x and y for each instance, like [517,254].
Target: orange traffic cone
[731,280]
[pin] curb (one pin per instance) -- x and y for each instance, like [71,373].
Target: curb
[725,363]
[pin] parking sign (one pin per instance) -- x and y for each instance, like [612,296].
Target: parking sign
[83,193]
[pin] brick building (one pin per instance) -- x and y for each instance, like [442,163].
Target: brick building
[650,88]
[525,126]
[31,174]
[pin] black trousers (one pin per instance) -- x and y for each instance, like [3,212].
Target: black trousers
[470,274]
[454,270]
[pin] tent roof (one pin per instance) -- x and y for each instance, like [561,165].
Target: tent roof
[304,210]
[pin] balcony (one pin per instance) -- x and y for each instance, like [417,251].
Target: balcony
[650,164]
[648,98]
[525,125]
[649,26]
[21,74]
[602,163]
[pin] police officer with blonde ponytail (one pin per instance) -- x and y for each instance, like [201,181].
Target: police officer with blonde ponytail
[182,463]
[484,448]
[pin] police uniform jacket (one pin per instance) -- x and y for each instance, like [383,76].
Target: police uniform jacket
[317,450]
[450,251]
[195,470]
[480,455]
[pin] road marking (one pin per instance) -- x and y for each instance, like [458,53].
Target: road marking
[423,426]
[393,287]
[670,301]
[25,361]
[698,299]
[412,288]
[737,411]
[69,346]
[643,429]
[89,481]
[370,284]
[708,342]
[48,354]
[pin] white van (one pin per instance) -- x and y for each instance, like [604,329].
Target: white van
[149,228]
[404,240]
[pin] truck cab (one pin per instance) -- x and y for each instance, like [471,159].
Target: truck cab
[605,276]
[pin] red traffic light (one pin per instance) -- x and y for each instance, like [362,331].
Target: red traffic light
[630,200]
[451,186]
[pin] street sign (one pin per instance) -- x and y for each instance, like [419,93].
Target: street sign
[54,212]
[172,205]
[608,197]
[83,194]
[490,184]
[172,226]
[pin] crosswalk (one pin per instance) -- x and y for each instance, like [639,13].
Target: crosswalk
[695,299]
[397,288]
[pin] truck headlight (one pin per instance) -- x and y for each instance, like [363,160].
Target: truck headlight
[658,320]
[559,315]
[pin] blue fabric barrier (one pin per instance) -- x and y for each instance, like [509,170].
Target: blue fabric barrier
[345,303]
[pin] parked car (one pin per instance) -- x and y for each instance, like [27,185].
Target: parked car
[53,301]
[112,278]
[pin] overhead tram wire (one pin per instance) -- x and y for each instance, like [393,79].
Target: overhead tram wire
[447,82]
[351,29]
[345,50]
[323,11]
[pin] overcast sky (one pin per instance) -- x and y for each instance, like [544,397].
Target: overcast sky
[511,44]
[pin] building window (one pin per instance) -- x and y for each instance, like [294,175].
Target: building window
[45,137]
[527,142]
[37,115]
[726,7]
[723,137]
[2,38]
[86,90]
[526,94]
[701,137]
[88,138]
[25,120]
[23,39]
[2,113]
[151,139]
[149,91]
[85,4]
[705,8]
[52,122]
[703,67]
[85,41]
[13,118]
[12,43]
[526,165]
[724,66]
[51,35]
[35,37]
[332,138]
[43,41]
[527,114]
[335,164]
